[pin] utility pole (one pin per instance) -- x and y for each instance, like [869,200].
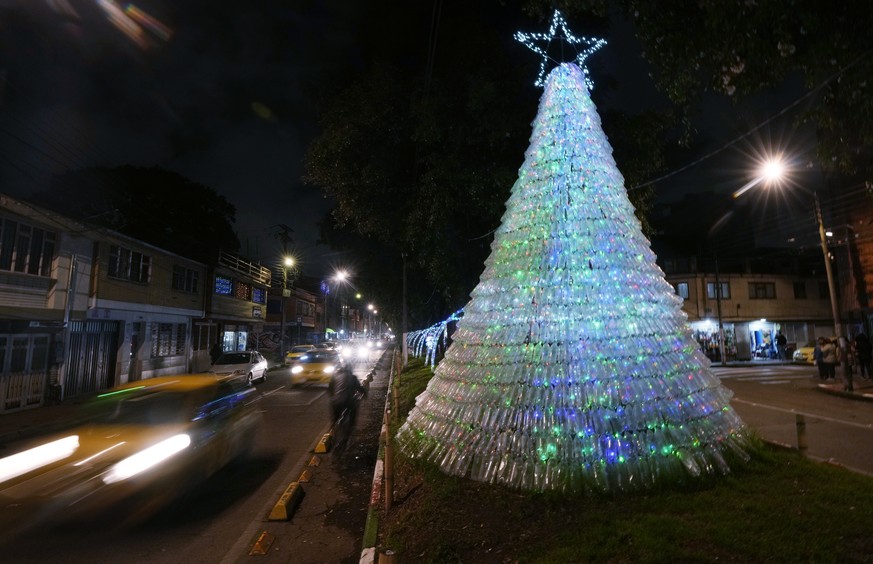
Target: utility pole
[283,234]
[832,289]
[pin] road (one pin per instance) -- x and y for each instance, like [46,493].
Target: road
[770,397]
[221,519]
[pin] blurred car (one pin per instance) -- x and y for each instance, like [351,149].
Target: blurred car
[316,366]
[804,354]
[296,352]
[146,443]
[248,365]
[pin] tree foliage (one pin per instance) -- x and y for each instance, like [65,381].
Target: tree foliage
[157,206]
[741,48]
[420,161]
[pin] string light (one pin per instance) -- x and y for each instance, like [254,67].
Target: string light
[558,22]
[573,367]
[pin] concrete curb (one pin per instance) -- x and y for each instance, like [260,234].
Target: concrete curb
[865,394]
[371,526]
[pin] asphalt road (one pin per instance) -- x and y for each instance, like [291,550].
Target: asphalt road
[769,398]
[220,520]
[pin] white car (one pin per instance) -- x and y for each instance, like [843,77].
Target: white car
[250,365]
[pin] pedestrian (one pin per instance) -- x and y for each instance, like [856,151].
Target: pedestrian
[215,351]
[829,359]
[818,359]
[781,342]
[864,354]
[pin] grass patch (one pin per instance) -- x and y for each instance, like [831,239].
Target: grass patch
[777,508]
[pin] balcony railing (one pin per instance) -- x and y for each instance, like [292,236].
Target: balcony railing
[255,271]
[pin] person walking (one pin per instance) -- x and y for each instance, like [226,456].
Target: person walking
[781,343]
[215,351]
[818,359]
[863,354]
[829,359]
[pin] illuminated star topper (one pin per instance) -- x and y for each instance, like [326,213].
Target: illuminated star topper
[558,20]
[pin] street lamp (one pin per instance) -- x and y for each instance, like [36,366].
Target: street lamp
[370,308]
[770,172]
[340,276]
[287,262]
[773,171]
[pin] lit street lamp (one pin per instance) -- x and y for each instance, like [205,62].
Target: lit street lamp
[341,276]
[287,262]
[774,171]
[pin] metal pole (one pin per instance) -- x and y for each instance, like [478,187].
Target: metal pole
[800,425]
[718,308]
[832,289]
[282,323]
[404,348]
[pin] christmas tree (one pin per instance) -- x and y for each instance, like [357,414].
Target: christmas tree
[573,367]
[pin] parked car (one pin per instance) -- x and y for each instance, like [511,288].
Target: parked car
[249,365]
[145,443]
[316,366]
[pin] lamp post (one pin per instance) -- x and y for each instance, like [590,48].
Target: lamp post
[773,171]
[370,308]
[287,262]
[340,276]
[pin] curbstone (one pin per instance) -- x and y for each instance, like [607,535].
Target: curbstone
[288,502]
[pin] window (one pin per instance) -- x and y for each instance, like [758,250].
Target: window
[799,290]
[725,290]
[242,291]
[682,290]
[125,264]
[185,279]
[168,339]
[223,286]
[305,308]
[259,295]
[762,291]
[24,248]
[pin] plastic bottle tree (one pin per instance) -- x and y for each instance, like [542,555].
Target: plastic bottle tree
[573,367]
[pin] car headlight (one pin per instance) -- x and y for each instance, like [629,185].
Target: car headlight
[37,457]
[297,369]
[363,351]
[329,369]
[145,459]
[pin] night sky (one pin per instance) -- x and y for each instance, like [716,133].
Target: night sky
[226,95]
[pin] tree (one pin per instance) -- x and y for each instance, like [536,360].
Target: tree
[157,206]
[572,367]
[420,161]
[715,46]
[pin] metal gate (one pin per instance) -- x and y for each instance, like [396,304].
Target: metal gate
[23,371]
[91,358]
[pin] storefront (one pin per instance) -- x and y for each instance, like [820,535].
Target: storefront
[705,332]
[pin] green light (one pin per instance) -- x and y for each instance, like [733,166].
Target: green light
[117,392]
